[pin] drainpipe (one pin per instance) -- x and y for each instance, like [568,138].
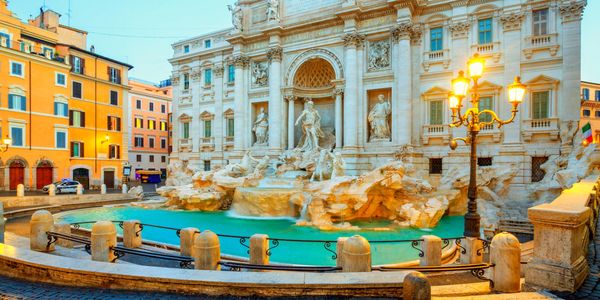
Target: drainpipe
[30,108]
[95,115]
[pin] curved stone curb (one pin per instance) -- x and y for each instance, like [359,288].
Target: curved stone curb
[34,266]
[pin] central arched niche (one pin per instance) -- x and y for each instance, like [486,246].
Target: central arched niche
[314,79]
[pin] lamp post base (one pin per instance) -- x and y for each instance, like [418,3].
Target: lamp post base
[472,221]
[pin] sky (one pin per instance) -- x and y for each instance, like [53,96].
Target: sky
[140,32]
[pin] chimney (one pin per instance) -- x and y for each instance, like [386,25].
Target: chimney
[47,19]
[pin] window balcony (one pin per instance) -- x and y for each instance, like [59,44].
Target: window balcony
[540,127]
[488,50]
[441,132]
[541,43]
[436,57]
[185,145]
[491,130]
[207,143]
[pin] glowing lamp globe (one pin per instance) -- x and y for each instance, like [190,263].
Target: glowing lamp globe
[516,91]
[460,85]
[453,101]
[476,65]
[7,141]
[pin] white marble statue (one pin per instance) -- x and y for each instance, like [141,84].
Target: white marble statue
[311,128]
[339,165]
[237,16]
[261,128]
[378,120]
[260,74]
[322,166]
[273,11]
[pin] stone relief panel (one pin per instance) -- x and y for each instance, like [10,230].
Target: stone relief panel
[380,55]
[259,14]
[260,74]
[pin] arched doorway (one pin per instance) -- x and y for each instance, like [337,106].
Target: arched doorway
[16,174]
[43,174]
[83,176]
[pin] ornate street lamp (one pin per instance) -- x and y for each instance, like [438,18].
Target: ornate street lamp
[471,120]
[6,142]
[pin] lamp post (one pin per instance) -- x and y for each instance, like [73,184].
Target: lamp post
[471,120]
[6,142]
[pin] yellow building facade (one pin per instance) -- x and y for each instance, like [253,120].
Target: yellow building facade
[62,106]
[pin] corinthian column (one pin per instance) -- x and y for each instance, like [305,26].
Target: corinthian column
[218,121]
[241,63]
[291,120]
[351,42]
[338,117]
[275,102]
[402,109]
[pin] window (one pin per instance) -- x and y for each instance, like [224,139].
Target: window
[435,166]
[60,139]
[186,49]
[597,114]
[61,79]
[231,73]
[151,124]
[138,158]
[25,47]
[139,123]
[186,130]
[17,135]
[48,52]
[138,104]
[540,22]
[186,81]
[76,118]
[113,123]
[4,39]
[138,141]
[163,143]
[586,112]
[77,65]
[597,94]
[537,174]
[77,149]
[586,94]
[436,112]
[114,98]
[230,127]
[539,105]
[17,102]
[151,142]
[486,103]
[16,69]
[76,90]
[114,152]
[207,128]
[114,75]
[485,31]
[207,77]
[61,109]
[436,36]
[151,106]
[163,159]
[207,44]
[163,108]
[484,161]
[207,165]
[151,158]
[163,126]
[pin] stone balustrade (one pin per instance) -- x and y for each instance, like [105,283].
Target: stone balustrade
[562,231]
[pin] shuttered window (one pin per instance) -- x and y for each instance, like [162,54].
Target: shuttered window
[540,105]
[76,90]
[114,98]
[186,130]
[485,103]
[17,102]
[436,114]
[207,128]
[61,109]
[114,152]
[77,149]
[113,123]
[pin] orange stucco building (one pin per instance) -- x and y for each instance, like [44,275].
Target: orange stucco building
[62,106]
[590,108]
[149,108]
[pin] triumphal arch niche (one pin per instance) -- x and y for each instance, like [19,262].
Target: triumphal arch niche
[316,75]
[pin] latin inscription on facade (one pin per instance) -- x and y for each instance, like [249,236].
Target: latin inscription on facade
[295,7]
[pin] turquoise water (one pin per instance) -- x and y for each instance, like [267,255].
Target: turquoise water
[286,252]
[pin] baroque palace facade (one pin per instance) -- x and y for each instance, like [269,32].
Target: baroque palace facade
[378,72]
[62,105]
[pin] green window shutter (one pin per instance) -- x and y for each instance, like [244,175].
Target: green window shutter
[436,113]
[485,103]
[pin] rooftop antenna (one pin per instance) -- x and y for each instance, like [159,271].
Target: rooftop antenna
[68,14]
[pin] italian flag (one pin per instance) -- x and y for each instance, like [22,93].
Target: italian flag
[587,133]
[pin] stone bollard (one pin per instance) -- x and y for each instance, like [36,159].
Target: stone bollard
[20,190]
[357,255]
[103,189]
[41,222]
[432,251]
[505,254]
[416,286]
[339,262]
[52,190]
[207,251]
[79,189]
[259,245]
[132,234]
[104,237]
[473,250]
[2,222]
[186,241]
[64,228]
[124,189]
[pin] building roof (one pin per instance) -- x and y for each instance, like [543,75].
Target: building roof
[98,55]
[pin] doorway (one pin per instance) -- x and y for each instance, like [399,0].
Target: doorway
[109,179]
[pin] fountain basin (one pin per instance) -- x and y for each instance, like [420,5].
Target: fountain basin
[266,202]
